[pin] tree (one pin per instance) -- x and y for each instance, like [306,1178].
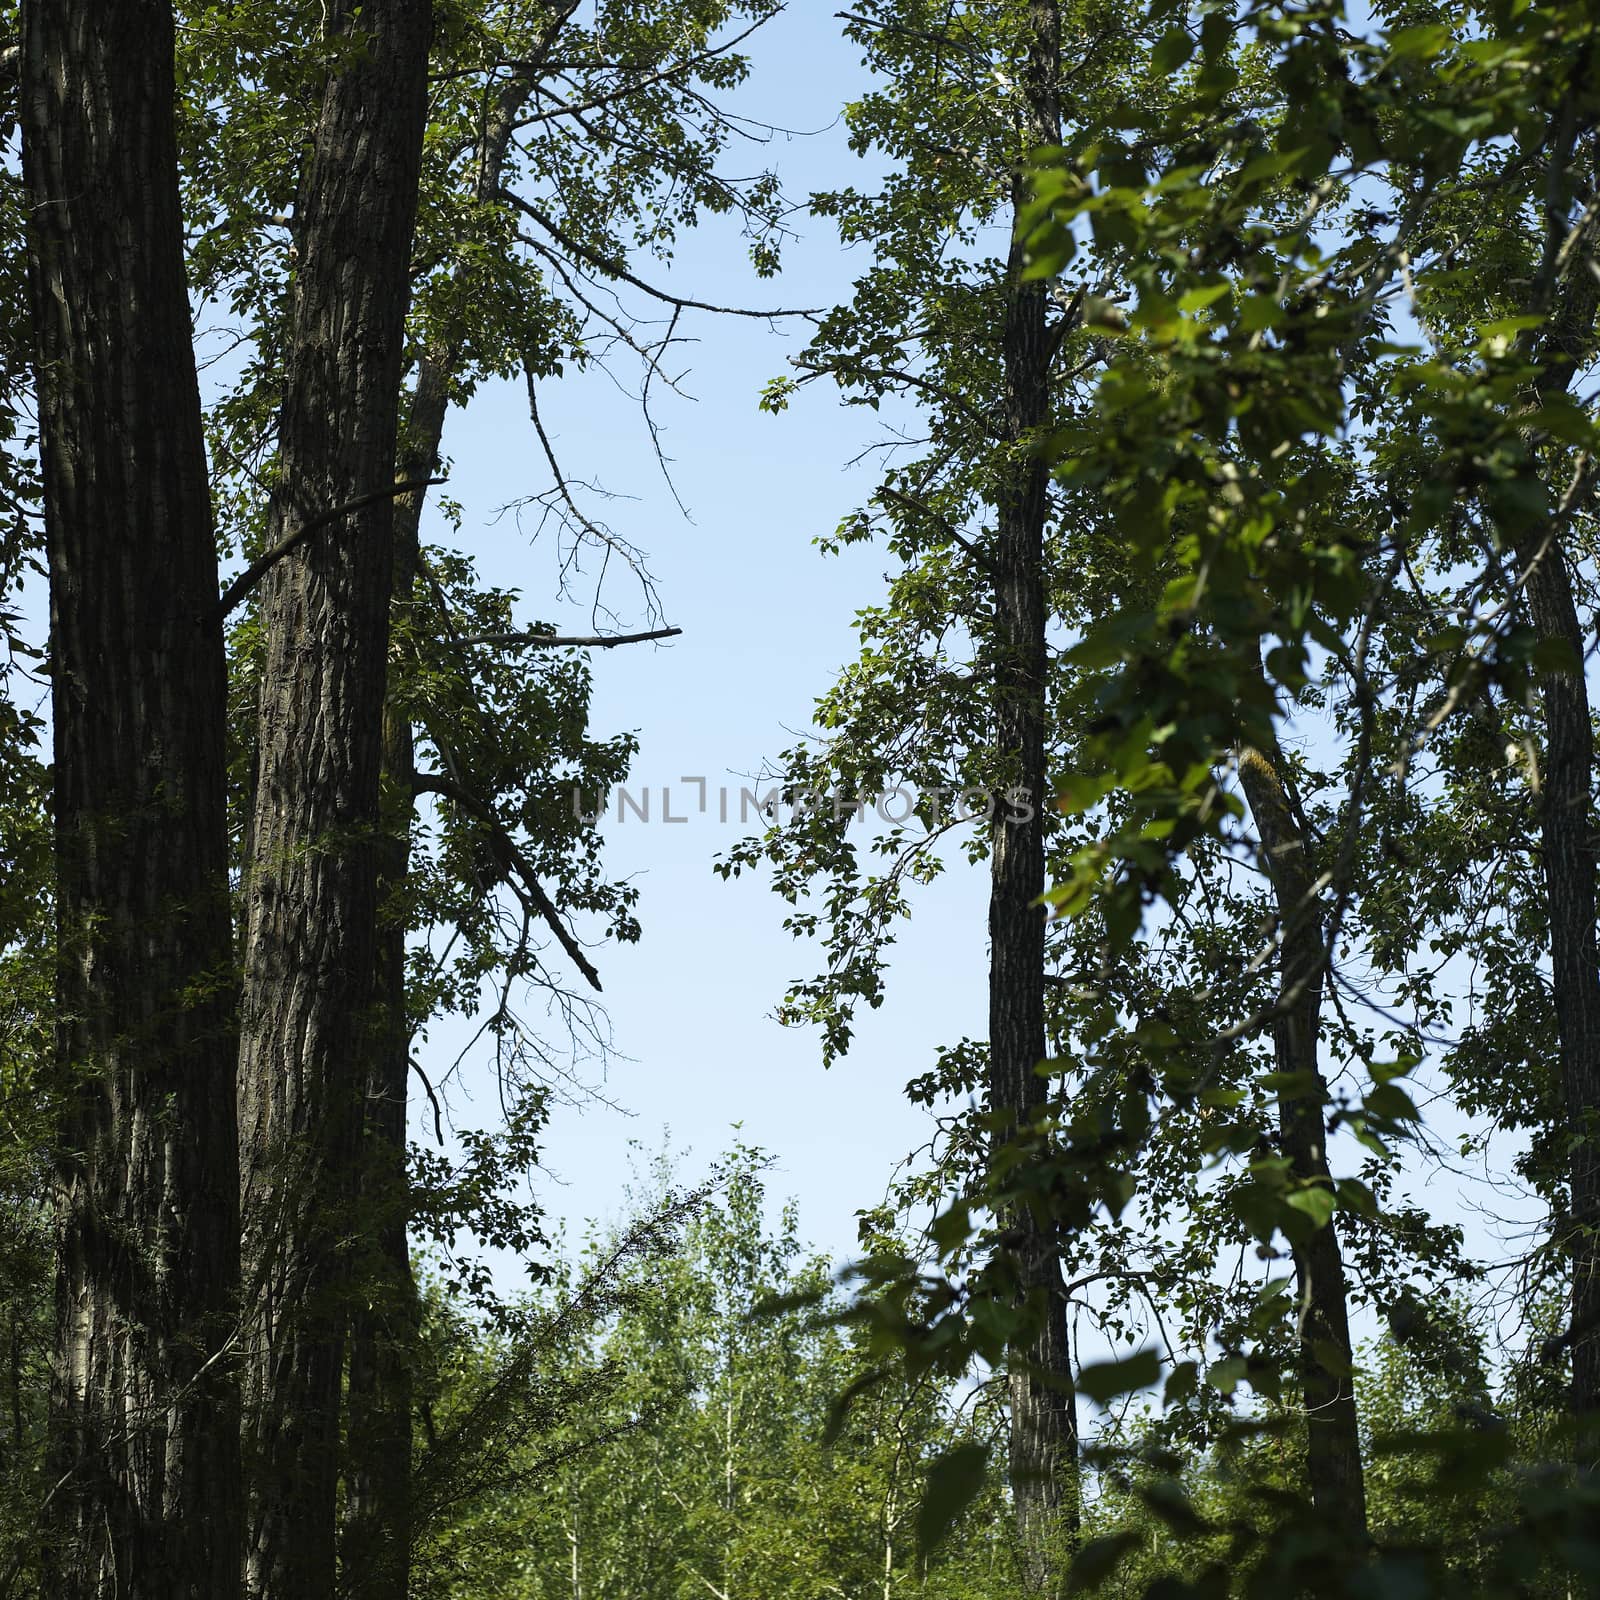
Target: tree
[990,359]
[310,1032]
[29,1106]
[144,1451]
[555,145]
[1281,483]
[1327,1355]
[721,1464]
[1044,1424]
[1302,465]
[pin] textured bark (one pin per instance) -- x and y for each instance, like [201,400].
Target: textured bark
[1333,1437]
[1043,1422]
[1575,967]
[375,1547]
[1566,346]
[1567,837]
[375,1542]
[143,1420]
[310,1027]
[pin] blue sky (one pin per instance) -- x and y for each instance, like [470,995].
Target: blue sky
[767,621]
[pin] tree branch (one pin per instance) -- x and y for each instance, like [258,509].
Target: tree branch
[553,641]
[614,269]
[512,861]
[665,74]
[262,565]
[842,370]
[944,524]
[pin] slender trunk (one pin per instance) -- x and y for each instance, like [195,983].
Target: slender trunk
[309,1029]
[1333,1437]
[1566,817]
[1044,1438]
[1566,826]
[143,1406]
[375,1545]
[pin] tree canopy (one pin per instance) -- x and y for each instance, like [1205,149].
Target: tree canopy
[1228,375]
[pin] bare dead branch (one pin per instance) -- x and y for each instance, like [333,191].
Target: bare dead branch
[555,641]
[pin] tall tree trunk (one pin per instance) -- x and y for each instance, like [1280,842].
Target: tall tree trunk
[1333,1437]
[375,1545]
[375,1542]
[1044,1439]
[375,1550]
[143,1435]
[1566,815]
[1567,836]
[309,1024]
[1566,826]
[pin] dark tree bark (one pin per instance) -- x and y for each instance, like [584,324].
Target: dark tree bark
[1566,814]
[375,1542]
[144,1440]
[1566,826]
[375,1551]
[1043,1440]
[310,1026]
[1567,837]
[1333,1437]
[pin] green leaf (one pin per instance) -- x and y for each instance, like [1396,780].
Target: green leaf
[1166,1499]
[1330,1357]
[1101,648]
[1445,640]
[839,1410]
[1507,327]
[1173,48]
[1316,1203]
[1182,1383]
[1414,43]
[1098,1560]
[1390,1102]
[1287,664]
[1199,299]
[954,1482]
[1227,1374]
[1355,1196]
[1387,1071]
[1271,166]
[1258,311]
[1103,1381]
[951,1229]
[1555,656]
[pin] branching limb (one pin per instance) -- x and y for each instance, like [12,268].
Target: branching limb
[944,524]
[519,870]
[262,565]
[607,541]
[674,69]
[614,269]
[912,380]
